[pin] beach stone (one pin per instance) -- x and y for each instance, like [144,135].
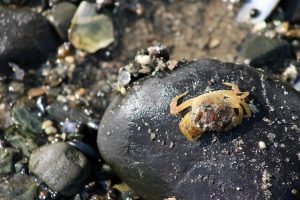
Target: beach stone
[9,156]
[28,117]
[24,141]
[19,186]
[261,51]
[62,167]
[89,30]
[60,17]
[259,159]
[26,38]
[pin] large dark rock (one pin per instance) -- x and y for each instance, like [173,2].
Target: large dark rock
[141,140]
[26,38]
[61,166]
[260,51]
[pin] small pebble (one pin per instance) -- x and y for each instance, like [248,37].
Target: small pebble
[35,92]
[213,43]
[173,64]
[50,130]
[46,124]
[171,198]
[64,50]
[51,139]
[172,145]
[290,73]
[152,136]
[80,92]
[294,191]
[123,90]
[70,59]
[262,145]
[143,59]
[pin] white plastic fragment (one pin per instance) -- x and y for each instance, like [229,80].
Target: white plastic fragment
[255,11]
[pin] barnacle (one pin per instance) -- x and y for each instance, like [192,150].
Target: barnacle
[218,111]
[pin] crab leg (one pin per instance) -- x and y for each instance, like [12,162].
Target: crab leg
[233,86]
[174,109]
[236,104]
[235,121]
[234,96]
[244,95]
[247,109]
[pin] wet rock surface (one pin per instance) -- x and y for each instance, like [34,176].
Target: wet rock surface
[61,166]
[259,159]
[260,51]
[26,38]
[24,141]
[28,117]
[89,30]
[20,186]
[8,158]
[60,17]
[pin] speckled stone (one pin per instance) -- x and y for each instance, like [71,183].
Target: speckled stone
[257,160]
[61,166]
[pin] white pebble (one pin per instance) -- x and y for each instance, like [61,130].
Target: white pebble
[46,124]
[50,130]
[143,59]
[262,145]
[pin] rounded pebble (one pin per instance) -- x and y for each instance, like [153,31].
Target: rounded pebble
[61,167]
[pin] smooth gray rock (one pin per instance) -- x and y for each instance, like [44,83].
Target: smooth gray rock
[60,17]
[26,38]
[141,140]
[61,166]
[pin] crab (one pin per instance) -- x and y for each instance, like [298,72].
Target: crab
[216,111]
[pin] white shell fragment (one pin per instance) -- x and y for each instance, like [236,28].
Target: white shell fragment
[262,145]
[143,59]
[255,11]
[89,30]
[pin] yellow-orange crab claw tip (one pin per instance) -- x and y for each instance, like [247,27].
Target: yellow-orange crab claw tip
[173,110]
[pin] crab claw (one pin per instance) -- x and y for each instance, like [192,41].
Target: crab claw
[190,132]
